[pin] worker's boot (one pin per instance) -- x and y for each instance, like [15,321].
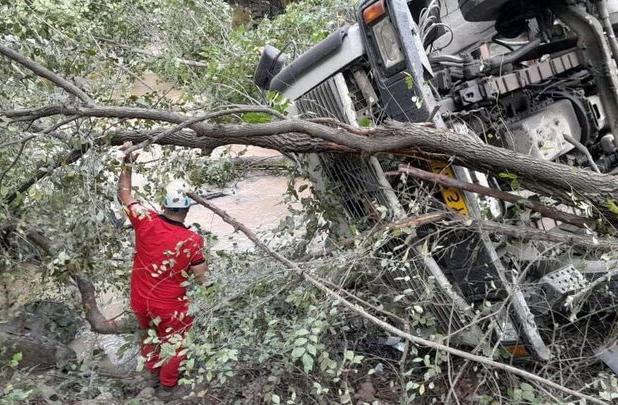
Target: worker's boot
[142,380]
[169,393]
[150,379]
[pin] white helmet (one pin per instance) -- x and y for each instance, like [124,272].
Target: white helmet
[176,195]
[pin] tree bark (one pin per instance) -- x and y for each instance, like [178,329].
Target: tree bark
[290,143]
[98,322]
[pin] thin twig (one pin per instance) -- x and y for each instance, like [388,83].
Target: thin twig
[42,71]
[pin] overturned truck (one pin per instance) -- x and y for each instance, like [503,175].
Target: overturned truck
[534,77]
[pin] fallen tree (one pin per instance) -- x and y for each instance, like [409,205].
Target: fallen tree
[564,183]
[295,135]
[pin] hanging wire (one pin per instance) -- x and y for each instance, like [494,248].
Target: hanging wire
[429,22]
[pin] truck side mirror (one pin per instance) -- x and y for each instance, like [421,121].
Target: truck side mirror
[271,62]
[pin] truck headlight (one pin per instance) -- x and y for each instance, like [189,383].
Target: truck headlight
[388,45]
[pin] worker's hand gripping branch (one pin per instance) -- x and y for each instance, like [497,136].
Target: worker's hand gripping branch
[124,181]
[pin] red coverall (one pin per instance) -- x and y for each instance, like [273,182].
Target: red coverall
[164,251]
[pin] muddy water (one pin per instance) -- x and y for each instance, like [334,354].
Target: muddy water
[256,202]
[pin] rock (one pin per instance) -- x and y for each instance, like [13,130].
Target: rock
[40,331]
[52,319]
[147,392]
[37,352]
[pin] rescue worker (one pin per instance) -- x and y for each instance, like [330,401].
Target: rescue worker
[166,254]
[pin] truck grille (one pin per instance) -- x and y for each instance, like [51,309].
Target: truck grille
[355,182]
[351,178]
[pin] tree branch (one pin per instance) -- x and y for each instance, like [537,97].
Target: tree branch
[98,322]
[294,135]
[512,198]
[42,71]
[392,137]
[530,233]
[516,231]
[204,117]
[289,143]
[319,284]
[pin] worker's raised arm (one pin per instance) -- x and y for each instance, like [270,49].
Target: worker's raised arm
[124,181]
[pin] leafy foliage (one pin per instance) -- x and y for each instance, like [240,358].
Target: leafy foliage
[259,333]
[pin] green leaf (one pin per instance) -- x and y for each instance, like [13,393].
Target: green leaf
[507,176]
[302,332]
[365,122]
[256,118]
[297,352]
[511,177]
[307,362]
[311,349]
[275,399]
[409,80]
[612,206]
[301,341]
[15,359]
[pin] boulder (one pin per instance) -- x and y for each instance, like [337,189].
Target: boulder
[37,352]
[52,319]
[40,331]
